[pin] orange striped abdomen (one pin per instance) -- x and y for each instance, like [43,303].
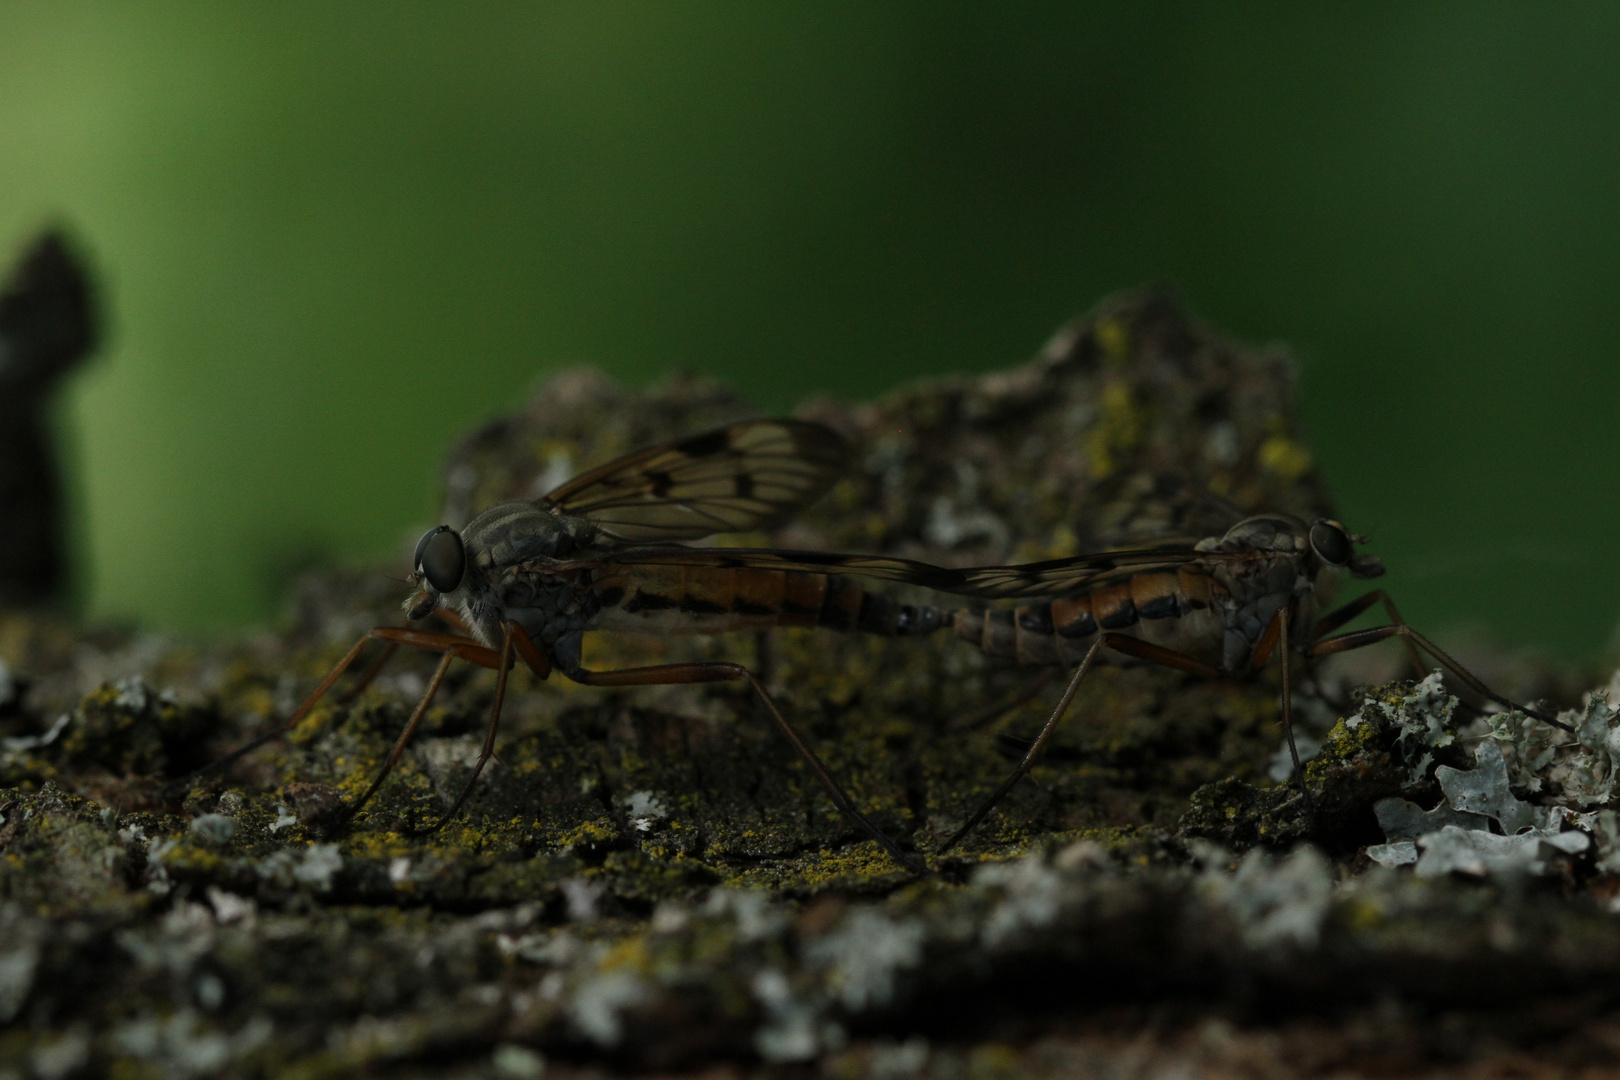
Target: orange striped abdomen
[667,599]
[1158,605]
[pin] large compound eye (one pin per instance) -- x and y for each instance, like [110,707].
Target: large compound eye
[441,559]
[1331,542]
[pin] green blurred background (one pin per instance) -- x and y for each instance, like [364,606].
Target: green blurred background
[332,236]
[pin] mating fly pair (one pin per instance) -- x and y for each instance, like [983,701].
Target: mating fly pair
[526,580]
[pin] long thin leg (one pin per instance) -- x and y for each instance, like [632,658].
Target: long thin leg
[1330,622]
[665,674]
[1276,636]
[479,655]
[370,674]
[1284,654]
[985,717]
[420,639]
[445,615]
[404,737]
[1360,639]
[515,638]
[1035,748]
[1133,646]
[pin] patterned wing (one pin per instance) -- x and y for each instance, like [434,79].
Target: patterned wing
[1161,511]
[1052,578]
[1061,577]
[746,476]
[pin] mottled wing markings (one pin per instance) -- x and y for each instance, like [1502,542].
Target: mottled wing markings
[1163,511]
[1052,578]
[746,476]
[1078,573]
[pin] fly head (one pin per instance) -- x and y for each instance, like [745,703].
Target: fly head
[439,564]
[1335,546]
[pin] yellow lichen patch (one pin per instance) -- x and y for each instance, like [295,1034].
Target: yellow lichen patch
[1113,340]
[628,955]
[590,834]
[1119,428]
[378,845]
[185,855]
[1284,457]
[853,866]
[1364,913]
[1342,742]
[313,723]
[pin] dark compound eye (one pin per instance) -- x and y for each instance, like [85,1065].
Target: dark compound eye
[1331,542]
[441,559]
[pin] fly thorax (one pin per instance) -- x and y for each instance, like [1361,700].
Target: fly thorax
[479,608]
[551,608]
[1253,591]
[1280,534]
[520,532]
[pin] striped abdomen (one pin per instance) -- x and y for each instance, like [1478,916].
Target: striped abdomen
[709,600]
[1169,607]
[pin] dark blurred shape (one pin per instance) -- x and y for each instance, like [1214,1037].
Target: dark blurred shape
[47,326]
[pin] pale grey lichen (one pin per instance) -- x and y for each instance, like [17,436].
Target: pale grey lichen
[134,694]
[12,745]
[21,939]
[183,1045]
[216,830]
[1479,853]
[1031,896]
[1456,836]
[1568,774]
[284,818]
[1484,790]
[891,1060]
[62,1056]
[582,895]
[865,954]
[513,1062]
[314,866]
[1424,719]
[645,806]
[791,1031]
[1574,770]
[1406,820]
[1395,854]
[598,1002]
[1281,768]
[1275,902]
[757,916]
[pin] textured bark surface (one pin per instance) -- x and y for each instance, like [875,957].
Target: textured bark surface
[649,880]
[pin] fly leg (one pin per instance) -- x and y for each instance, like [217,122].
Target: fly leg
[667,674]
[394,635]
[1360,639]
[374,669]
[1330,622]
[369,675]
[985,717]
[515,638]
[1132,646]
[469,651]
[1276,637]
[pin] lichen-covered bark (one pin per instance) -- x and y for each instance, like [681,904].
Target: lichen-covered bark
[650,879]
